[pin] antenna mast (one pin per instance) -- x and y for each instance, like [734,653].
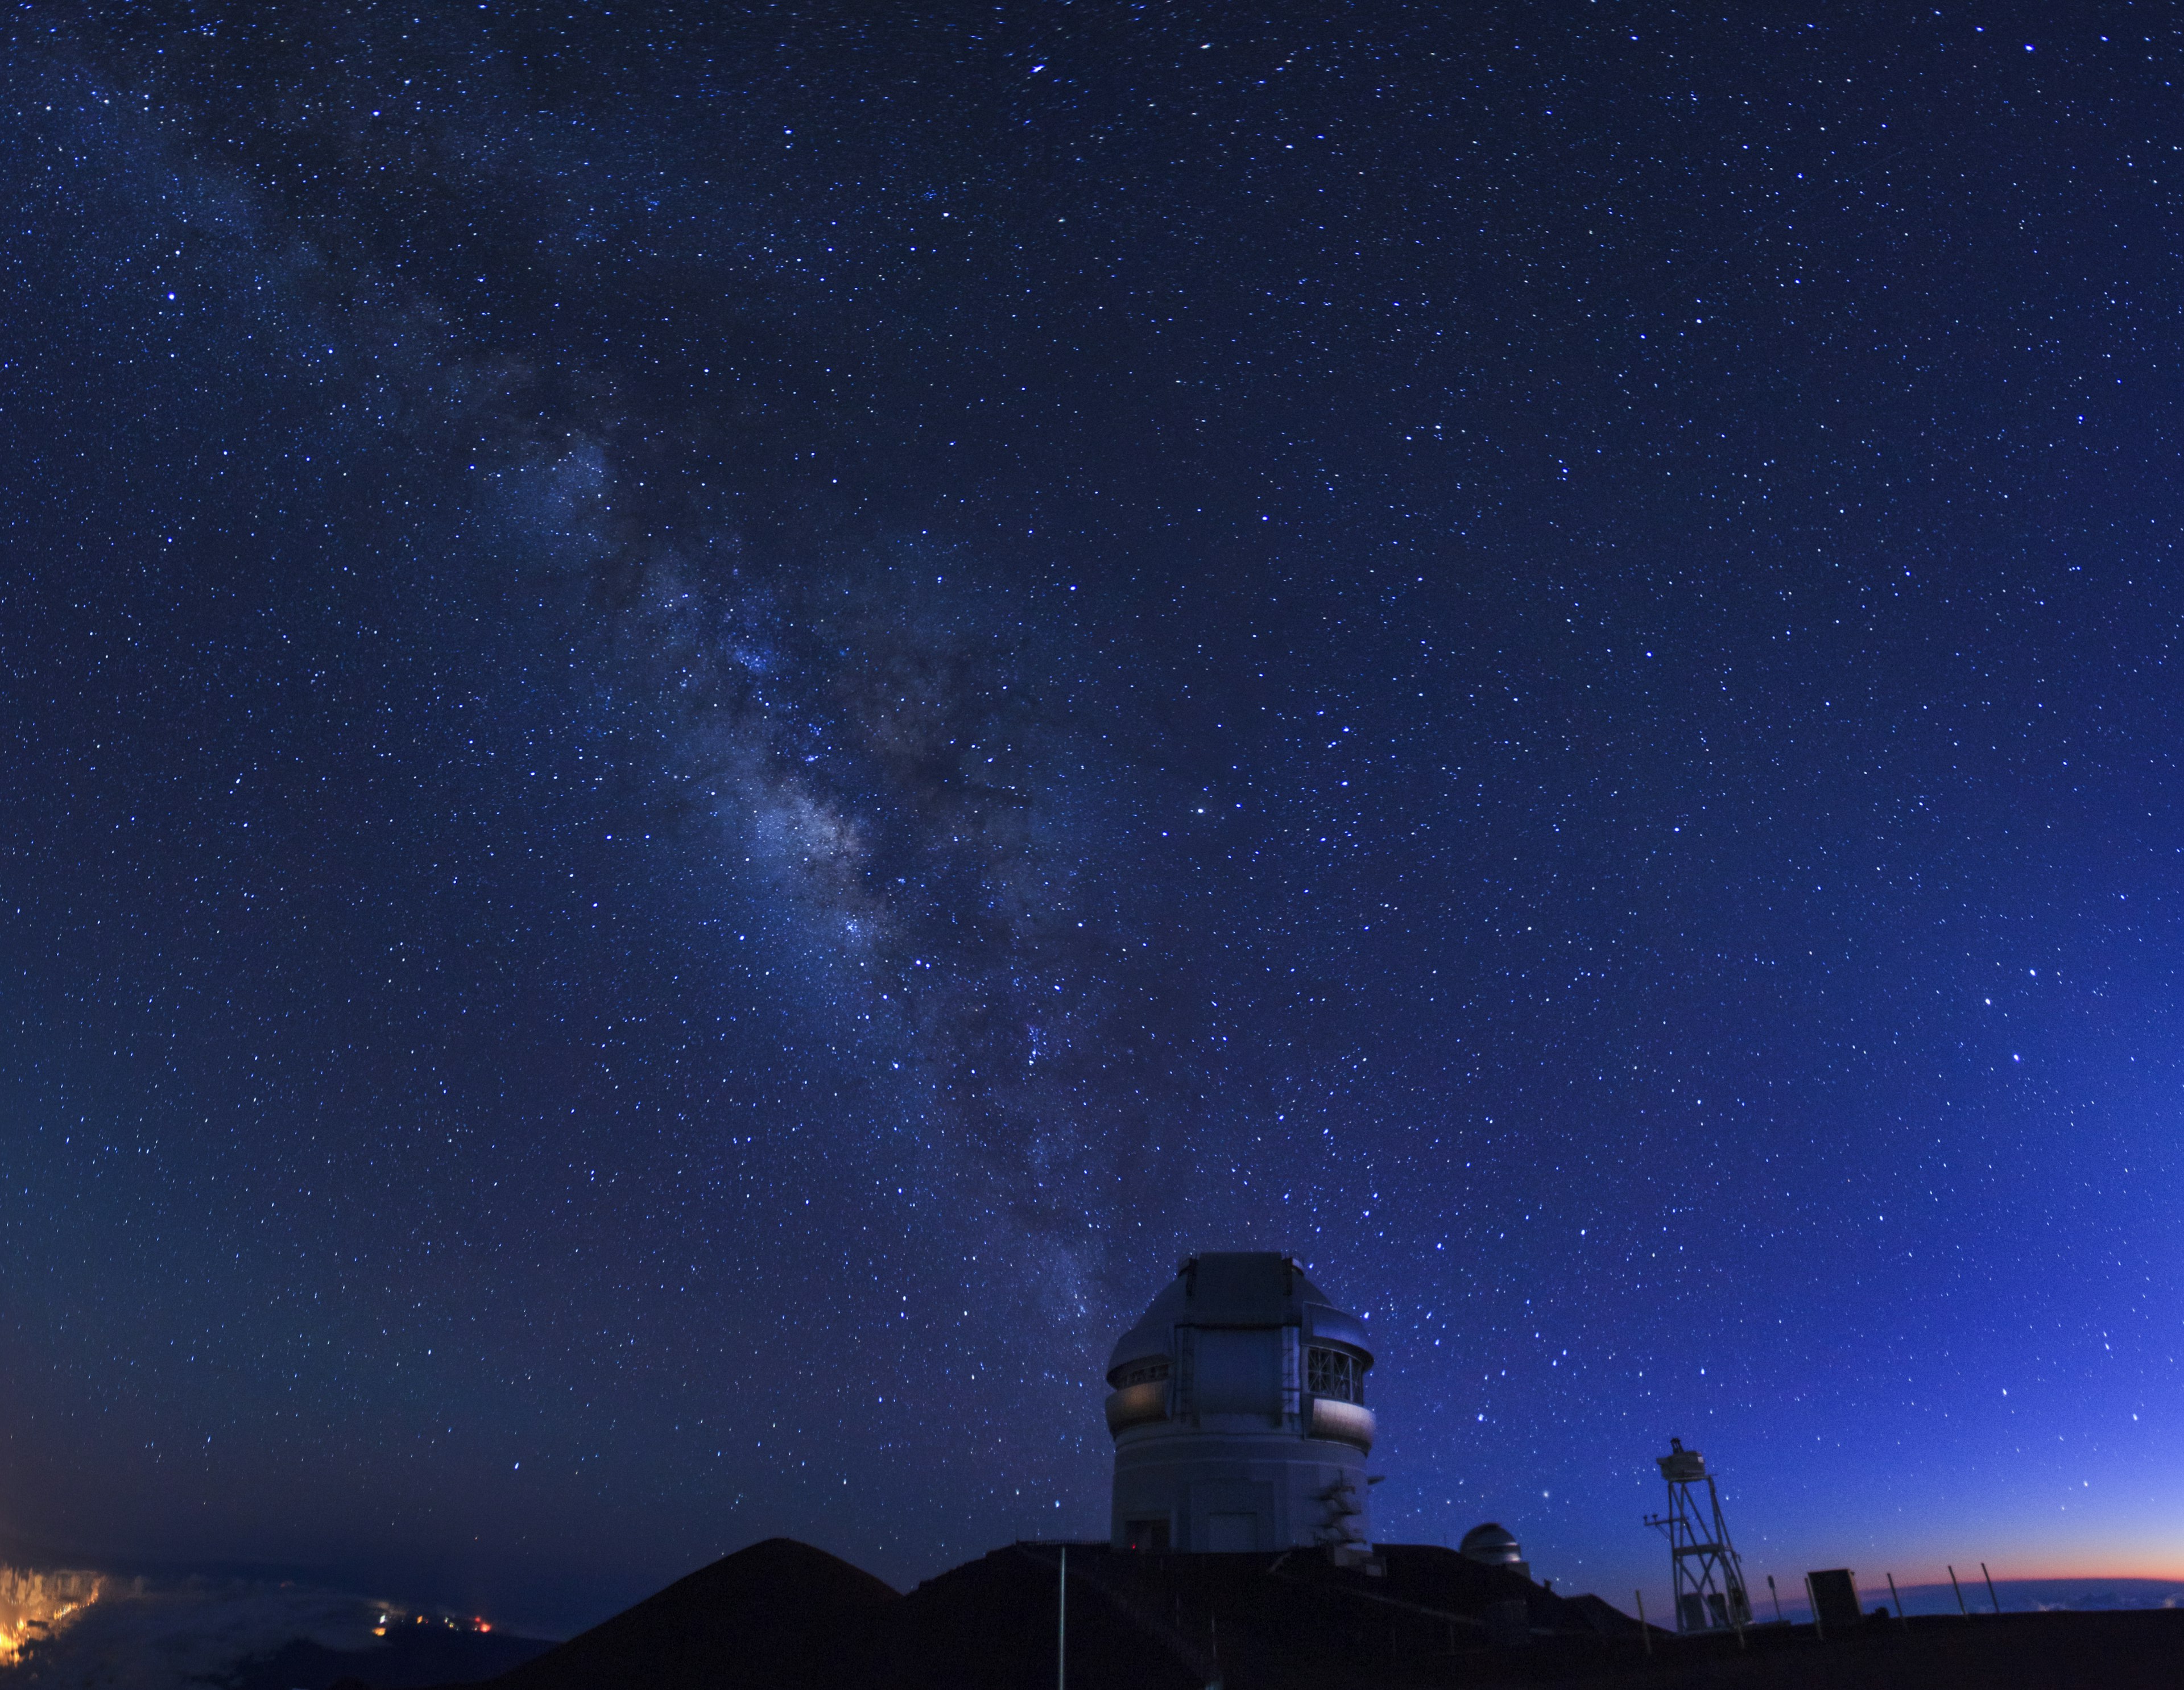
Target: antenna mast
[1707,1571]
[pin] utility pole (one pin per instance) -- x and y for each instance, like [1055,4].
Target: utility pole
[1062,1626]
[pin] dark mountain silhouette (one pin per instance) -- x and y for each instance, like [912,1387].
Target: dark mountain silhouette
[790,1617]
[780,1613]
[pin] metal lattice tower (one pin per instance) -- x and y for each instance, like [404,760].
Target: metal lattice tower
[1708,1573]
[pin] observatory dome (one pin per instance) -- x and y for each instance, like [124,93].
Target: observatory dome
[1492,1545]
[1237,1406]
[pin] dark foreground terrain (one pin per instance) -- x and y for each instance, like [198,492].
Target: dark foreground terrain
[783,1613]
[431,1654]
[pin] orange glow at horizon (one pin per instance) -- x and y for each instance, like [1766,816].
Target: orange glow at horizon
[36,1605]
[2165,1564]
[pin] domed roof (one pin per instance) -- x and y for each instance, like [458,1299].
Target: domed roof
[1496,1546]
[1239,1288]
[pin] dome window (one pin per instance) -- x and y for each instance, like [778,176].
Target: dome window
[1334,1373]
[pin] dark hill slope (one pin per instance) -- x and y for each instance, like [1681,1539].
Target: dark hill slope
[782,1614]
[779,1613]
[991,1625]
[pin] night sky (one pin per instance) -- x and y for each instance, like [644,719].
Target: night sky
[711,722]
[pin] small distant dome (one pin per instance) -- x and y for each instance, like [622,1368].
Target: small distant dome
[1491,1545]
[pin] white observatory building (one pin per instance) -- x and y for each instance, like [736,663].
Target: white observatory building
[1238,1411]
